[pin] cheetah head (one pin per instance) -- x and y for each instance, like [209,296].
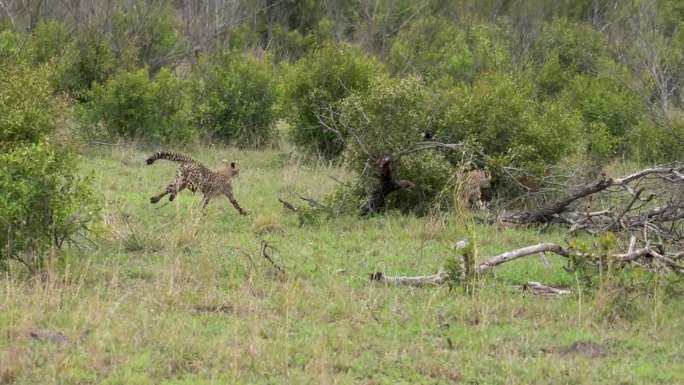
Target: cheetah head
[232,166]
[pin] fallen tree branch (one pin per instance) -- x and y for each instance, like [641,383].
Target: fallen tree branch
[483,267]
[264,247]
[542,290]
[314,204]
[633,200]
[288,205]
[435,279]
[515,254]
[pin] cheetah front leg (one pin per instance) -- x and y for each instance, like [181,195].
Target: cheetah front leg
[476,200]
[235,203]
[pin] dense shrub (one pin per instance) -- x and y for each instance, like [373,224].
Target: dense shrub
[605,103]
[42,201]
[131,105]
[313,89]
[390,116]
[87,60]
[50,40]
[234,100]
[578,47]
[14,47]
[563,50]
[649,142]
[437,48]
[504,117]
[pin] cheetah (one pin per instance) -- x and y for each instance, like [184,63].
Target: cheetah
[195,176]
[472,184]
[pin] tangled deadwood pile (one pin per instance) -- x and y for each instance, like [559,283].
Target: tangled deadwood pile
[650,201]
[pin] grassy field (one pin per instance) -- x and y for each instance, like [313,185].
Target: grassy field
[170,297]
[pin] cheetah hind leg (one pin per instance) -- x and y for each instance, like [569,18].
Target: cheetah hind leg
[172,189]
[158,197]
[205,202]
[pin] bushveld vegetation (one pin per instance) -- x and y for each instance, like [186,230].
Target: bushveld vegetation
[568,105]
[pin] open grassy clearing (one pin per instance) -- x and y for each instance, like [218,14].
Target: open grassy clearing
[156,267]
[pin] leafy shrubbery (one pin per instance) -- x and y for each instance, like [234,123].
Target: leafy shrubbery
[43,202]
[313,89]
[610,110]
[234,100]
[390,116]
[504,117]
[437,49]
[131,105]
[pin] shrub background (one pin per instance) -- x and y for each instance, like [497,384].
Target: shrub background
[43,201]
[234,99]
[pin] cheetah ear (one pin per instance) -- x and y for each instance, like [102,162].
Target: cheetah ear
[233,164]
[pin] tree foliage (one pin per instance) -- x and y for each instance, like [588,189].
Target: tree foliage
[234,100]
[312,90]
[131,105]
[43,203]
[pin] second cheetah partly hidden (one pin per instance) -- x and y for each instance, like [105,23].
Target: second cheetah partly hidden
[195,176]
[472,183]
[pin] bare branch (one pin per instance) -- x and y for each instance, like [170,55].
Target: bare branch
[515,254]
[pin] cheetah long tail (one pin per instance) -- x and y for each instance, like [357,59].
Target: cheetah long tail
[169,156]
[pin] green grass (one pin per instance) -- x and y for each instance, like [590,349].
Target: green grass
[324,321]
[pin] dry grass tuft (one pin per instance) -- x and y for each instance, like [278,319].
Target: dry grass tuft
[267,224]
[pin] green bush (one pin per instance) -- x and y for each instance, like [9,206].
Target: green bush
[390,116]
[313,89]
[87,60]
[649,142]
[605,103]
[563,50]
[437,48]
[504,117]
[50,39]
[235,100]
[14,47]
[578,47]
[130,106]
[42,201]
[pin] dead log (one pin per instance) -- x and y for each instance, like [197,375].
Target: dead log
[422,280]
[288,205]
[441,277]
[522,252]
[542,290]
